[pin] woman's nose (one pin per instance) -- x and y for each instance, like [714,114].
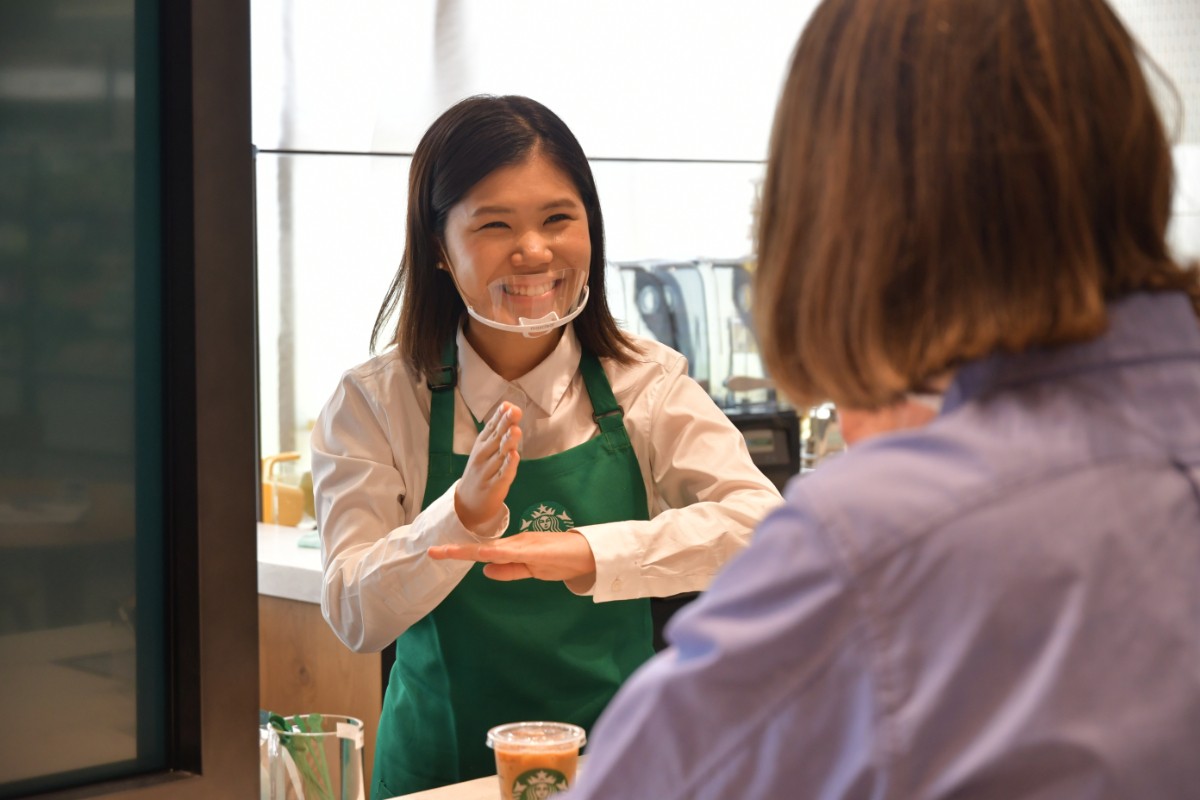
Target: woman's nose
[532,248]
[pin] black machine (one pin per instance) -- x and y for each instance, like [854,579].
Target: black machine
[703,310]
[771,427]
[772,435]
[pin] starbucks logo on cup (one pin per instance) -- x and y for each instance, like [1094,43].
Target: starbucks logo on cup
[538,784]
[546,517]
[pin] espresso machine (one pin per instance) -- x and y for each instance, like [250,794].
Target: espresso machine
[739,383]
[649,300]
[702,309]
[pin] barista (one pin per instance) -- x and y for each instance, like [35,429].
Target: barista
[513,423]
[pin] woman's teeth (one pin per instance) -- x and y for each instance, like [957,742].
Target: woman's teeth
[531,290]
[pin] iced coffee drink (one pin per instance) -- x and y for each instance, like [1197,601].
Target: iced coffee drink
[535,760]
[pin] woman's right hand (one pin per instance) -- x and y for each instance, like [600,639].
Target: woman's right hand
[490,470]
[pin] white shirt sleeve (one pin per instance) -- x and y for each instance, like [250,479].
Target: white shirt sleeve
[378,579]
[705,494]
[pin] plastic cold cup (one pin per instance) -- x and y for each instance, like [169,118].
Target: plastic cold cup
[535,760]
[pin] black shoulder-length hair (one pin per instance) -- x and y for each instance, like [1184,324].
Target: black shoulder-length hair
[471,140]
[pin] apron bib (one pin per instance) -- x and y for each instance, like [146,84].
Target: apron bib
[495,652]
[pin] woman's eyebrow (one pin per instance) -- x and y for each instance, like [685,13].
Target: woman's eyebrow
[491,210]
[562,202]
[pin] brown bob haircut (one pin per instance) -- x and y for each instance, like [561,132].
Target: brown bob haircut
[468,142]
[951,178]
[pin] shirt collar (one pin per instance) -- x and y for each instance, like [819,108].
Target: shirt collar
[1141,327]
[544,385]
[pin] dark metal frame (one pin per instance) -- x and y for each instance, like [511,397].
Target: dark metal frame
[210,413]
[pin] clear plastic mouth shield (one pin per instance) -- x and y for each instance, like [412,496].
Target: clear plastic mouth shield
[533,304]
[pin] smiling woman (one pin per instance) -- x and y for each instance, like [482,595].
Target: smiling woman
[589,488]
[479,185]
[518,249]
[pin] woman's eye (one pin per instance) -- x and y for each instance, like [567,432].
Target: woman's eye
[494,224]
[557,218]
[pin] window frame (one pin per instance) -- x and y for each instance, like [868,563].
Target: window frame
[210,403]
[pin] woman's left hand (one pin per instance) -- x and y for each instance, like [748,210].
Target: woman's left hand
[545,555]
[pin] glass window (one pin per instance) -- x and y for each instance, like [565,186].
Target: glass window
[633,78]
[81,588]
[673,107]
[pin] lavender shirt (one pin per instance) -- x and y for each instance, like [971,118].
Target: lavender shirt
[1005,604]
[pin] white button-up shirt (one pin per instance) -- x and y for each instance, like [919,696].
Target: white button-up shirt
[370,451]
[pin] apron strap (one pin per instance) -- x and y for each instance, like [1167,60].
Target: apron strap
[441,413]
[609,415]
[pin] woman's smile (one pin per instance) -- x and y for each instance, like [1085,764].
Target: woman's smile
[532,290]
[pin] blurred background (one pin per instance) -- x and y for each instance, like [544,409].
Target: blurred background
[673,104]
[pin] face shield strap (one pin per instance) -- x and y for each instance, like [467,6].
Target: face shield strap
[532,328]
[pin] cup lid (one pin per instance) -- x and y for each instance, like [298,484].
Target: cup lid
[536,736]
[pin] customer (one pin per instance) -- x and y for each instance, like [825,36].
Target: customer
[623,479]
[1004,603]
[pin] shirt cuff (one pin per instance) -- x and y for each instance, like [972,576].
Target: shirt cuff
[492,529]
[618,553]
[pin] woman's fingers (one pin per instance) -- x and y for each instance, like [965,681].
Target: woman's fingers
[501,433]
[492,555]
[488,440]
[502,552]
[545,555]
[491,468]
[496,570]
[508,458]
[460,552]
[502,411]
[507,572]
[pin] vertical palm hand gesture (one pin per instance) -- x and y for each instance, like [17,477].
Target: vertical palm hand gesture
[490,470]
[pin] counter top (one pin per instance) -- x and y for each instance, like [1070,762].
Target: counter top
[284,568]
[478,789]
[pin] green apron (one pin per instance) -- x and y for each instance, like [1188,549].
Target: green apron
[495,652]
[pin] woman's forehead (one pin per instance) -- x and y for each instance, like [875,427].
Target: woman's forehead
[535,180]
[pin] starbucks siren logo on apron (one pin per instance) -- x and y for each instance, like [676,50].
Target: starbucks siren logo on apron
[546,517]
